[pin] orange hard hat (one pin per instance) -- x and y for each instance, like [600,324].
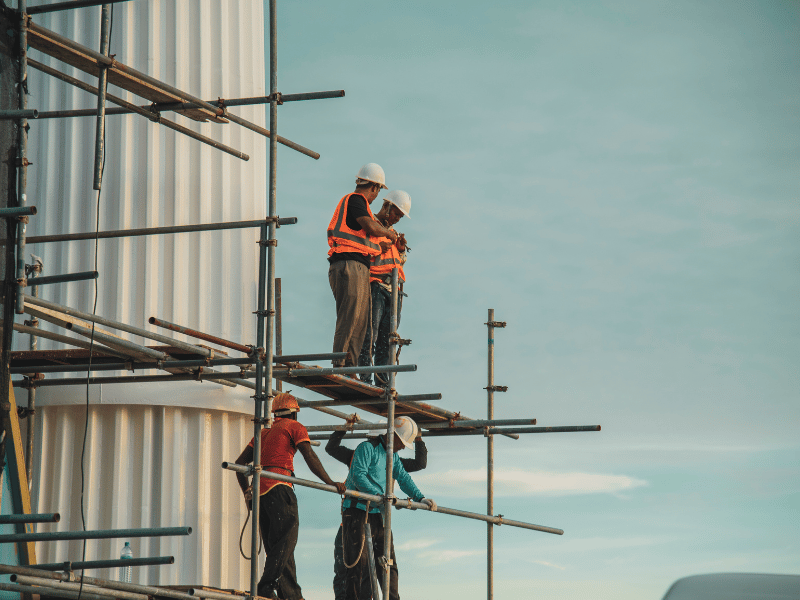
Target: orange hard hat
[285,403]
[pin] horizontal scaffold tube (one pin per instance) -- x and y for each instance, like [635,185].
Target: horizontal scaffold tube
[66,278]
[108,564]
[78,343]
[72,4]
[200,593]
[497,520]
[18,211]
[40,518]
[117,325]
[120,233]
[132,366]
[49,584]
[55,593]
[448,425]
[98,534]
[343,370]
[106,583]
[480,431]
[286,358]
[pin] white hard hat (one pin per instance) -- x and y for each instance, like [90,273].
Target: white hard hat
[406,429]
[374,173]
[401,200]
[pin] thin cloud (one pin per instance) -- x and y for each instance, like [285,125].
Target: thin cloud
[417,544]
[438,557]
[518,482]
[544,563]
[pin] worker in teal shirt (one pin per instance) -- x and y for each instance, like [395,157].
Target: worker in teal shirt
[368,474]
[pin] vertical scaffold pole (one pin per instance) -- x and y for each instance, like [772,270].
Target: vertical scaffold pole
[390,392]
[273,173]
[278,326]
[102,84]
[258,410]
[22,154]
[490,461]
[36,270]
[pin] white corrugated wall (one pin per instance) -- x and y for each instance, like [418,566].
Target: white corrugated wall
[153,452]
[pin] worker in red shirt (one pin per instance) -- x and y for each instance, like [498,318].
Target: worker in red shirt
[278,517]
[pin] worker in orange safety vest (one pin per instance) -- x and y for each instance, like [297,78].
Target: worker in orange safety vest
[396,205]
[354,238]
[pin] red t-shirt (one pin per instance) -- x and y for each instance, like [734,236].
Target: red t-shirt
[278,447]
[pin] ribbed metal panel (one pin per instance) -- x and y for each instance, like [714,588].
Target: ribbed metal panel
[153,453]
[146,466]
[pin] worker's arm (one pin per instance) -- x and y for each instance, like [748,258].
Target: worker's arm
[245,458]
[312,460]
[405,482]
[420,460]
[375,229]
[341,453]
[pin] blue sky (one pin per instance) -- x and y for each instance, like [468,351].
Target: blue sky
[619,181]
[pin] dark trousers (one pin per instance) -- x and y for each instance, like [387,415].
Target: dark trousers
[349,281]
[377,344]
[340,573]
[353,533]
[279,524]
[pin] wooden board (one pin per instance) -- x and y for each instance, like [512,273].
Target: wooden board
[118,75]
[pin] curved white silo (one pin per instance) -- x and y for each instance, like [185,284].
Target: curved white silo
[153,451]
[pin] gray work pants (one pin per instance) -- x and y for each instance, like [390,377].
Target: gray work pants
[349,281]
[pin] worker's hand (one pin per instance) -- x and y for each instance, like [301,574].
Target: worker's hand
[401,242]
[248,496]
[352,419]
[340,487]
[385,245]
[392,235]
[430,503]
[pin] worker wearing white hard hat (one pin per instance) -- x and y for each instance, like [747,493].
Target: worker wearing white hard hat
[376,348]
[353,238]
[344,455]
[368,474]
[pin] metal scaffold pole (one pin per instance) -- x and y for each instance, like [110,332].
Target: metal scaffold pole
[390,399]
[490,389]
[22,154]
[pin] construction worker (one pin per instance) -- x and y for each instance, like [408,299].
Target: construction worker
[278,517]
[353,235]
[368,474]
[345,455]
[396,205]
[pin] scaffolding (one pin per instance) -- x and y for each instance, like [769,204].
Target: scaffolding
[261,363]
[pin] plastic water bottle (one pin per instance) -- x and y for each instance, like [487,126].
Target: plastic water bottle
[125,572]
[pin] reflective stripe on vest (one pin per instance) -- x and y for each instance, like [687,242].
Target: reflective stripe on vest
[382,265]
[343,239]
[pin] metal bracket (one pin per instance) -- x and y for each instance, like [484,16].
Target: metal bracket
[396,340]
[277,97]
[32,323]
[23,162]
[276,219]
[267,242]
[264,313]
[499,324]
[496,388]
[23,412]
[501,520]
[386,563]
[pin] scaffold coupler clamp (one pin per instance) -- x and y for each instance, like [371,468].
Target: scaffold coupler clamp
[499,520]
[386,563]
[486,432]
[498,324]
[496,388]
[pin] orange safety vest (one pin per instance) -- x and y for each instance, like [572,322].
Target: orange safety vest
[381,266]
[343,239]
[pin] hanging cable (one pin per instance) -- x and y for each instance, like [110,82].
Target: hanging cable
[91,339]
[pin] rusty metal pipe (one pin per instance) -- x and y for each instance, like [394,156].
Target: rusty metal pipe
[200,335]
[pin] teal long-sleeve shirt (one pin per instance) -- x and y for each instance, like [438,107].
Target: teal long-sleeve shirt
[368,474]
